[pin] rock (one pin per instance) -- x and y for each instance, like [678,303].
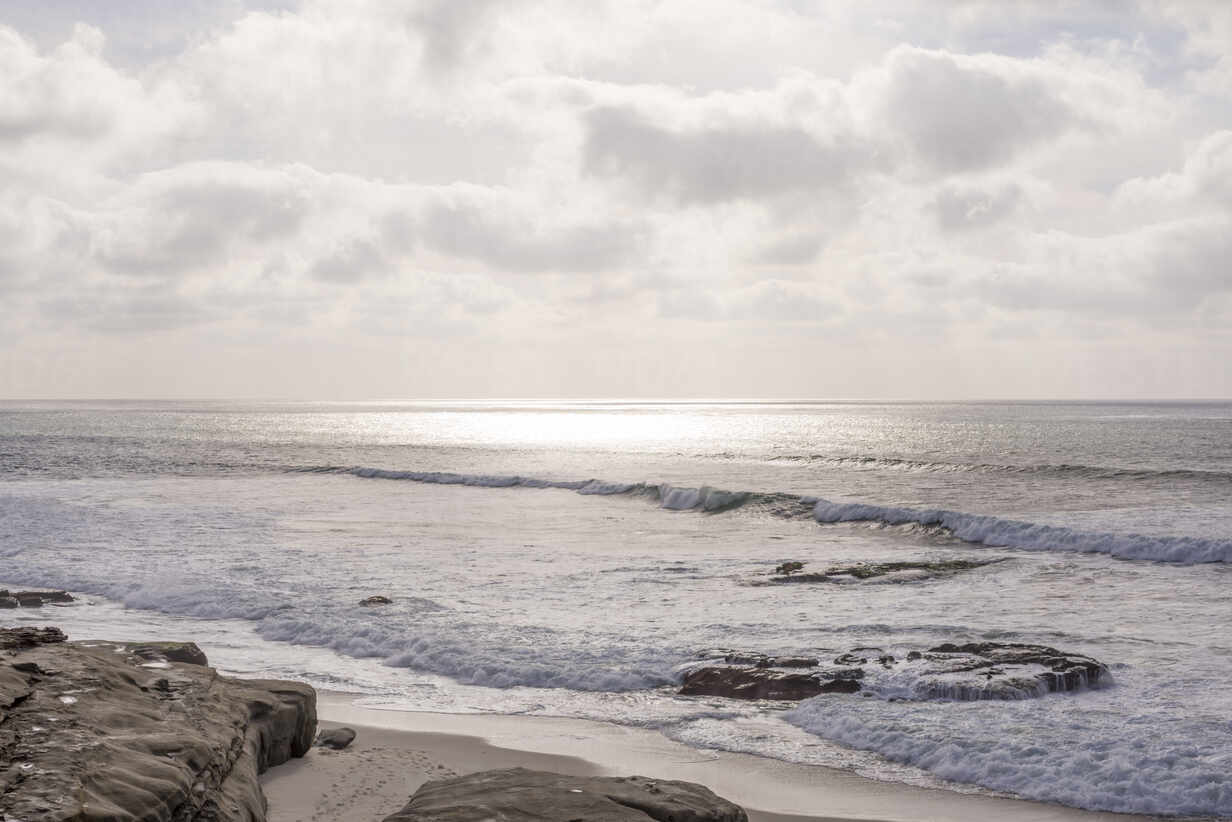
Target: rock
[972,671]
[888,571]
[187,652]
[376,600]
[33,599]
[1024,670]
[105,737]
[335,738]
[788,568]
[521,795]
[12,639]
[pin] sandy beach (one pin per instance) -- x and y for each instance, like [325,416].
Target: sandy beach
[397,751]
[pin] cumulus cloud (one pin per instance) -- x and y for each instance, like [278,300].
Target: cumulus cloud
[968,112]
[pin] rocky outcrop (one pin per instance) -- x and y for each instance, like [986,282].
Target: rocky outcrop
[376,600]
[521,795]
[882,571]
[33,599]
[971,671]
[94,731]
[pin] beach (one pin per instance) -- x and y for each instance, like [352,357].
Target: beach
[397,751]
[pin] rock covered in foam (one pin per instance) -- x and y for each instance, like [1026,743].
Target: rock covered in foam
[92,731]
[521,795]
[966,672]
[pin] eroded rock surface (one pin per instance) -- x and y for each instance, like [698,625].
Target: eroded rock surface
[93,731]
[521,795]
[970,671]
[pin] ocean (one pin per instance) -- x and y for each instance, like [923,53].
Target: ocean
[574,559]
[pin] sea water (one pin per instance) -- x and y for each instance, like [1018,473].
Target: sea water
[573,559]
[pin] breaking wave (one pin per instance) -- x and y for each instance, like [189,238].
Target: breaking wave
[1071,470]
[979,529]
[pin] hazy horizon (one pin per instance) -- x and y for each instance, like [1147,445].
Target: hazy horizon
[293,199]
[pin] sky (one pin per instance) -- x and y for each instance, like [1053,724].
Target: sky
[377,199]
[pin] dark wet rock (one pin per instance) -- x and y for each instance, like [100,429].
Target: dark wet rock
[788,568]
[888,571]
[972,671]
[335,738]
[376,600]
[33,599]
[89,732]
[1062,671]
[521,795]
[739,682]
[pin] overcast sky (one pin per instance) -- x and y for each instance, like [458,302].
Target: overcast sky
[345,199]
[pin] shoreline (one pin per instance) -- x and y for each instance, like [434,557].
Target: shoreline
[398,750]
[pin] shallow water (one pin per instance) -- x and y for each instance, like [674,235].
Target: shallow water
[256,530]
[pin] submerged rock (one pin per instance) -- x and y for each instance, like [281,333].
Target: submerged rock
[335,738]
[972,671]
[88,731]
[521,795]
[911,571]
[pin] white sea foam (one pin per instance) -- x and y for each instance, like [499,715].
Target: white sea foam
[1102,759]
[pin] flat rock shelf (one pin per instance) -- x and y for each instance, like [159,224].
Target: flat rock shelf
[103,731]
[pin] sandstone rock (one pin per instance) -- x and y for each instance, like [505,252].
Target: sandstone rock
[12,639]
[187,652]
[89,732]
[336,738]
[376,600]
[972,671]
[521,795]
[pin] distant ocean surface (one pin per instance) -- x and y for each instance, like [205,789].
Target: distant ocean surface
[569,559]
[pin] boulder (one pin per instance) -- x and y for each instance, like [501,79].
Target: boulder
[971,671]
[335,738]
[88,731]
[521,795]
[376,600]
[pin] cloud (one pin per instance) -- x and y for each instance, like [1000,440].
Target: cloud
[341,173]
[959,207]
[963,113]
[194,216]
[496,232]
[713,163]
